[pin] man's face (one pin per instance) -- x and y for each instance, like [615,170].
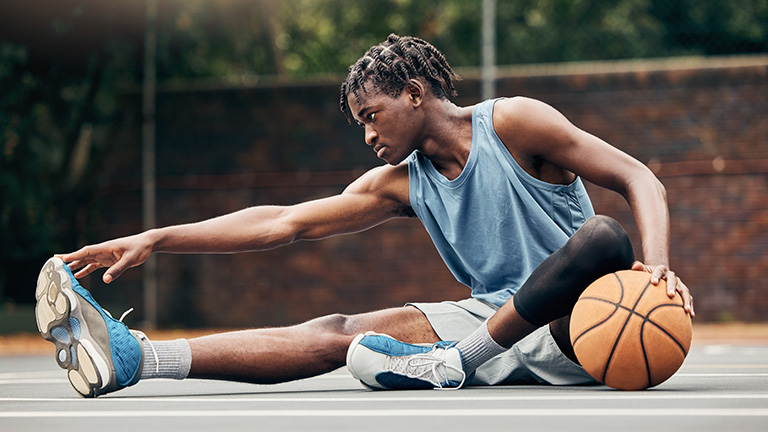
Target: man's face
[390,124]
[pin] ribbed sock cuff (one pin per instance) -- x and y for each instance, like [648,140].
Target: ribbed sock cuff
[478,348]
[174,358]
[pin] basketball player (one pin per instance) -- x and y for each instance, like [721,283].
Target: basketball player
[498,186]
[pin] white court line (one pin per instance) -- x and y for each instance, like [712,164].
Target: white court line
[58,373]
[720,375]
[55,378]
[614,396]
[34,381]
[581,412]
[64,380]
[11,380]
[15,375]
[727,366]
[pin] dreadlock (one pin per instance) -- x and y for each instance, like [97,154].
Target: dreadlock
[390,64]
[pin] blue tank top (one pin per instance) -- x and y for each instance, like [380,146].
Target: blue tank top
[494,223]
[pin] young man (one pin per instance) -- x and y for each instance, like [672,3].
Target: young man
[497,186]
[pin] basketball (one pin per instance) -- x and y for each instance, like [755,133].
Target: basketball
[627,333]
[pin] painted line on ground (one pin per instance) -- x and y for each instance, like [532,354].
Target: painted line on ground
[438,413]
[32,374]
[613,396]
[34,381]
[726,366]
[9,381]
[735,374]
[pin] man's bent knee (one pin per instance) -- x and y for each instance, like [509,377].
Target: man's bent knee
[599,247]
[606,240]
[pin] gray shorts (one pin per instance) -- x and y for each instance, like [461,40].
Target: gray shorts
[534,360]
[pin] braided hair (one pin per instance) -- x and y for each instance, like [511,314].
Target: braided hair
[389,66]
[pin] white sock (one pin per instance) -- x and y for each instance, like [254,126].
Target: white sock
[478,348]
[166,359]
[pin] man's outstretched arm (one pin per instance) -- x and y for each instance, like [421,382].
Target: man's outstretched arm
[377,196]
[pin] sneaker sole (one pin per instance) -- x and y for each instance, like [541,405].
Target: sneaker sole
[60,320]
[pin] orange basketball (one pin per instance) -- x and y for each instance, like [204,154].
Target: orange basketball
[627,333]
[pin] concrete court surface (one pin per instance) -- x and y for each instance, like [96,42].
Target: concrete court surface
[722,386]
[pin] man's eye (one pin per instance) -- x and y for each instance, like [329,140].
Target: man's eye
[372,116]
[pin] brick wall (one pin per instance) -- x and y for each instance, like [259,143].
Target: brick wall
[701,126]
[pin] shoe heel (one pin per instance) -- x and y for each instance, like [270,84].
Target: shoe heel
[86,378]
[350,352]
[53,305]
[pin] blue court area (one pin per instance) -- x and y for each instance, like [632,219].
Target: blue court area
[721,387]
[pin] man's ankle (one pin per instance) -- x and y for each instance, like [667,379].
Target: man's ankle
[165,359]
[478,348]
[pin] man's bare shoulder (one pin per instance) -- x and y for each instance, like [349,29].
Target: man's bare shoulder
[512,122]
[518,109]
[539,137]
[528,125]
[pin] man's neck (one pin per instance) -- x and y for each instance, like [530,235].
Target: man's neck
[448,137]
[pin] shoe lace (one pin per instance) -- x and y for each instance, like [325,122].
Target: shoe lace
[427,367]
[142,336]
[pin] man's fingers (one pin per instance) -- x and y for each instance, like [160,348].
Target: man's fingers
[85,271]
[659,273]
[671,284]
[74,265]
[108,278]
[76,256]
[674,284]
[116,269]
[690,306]
[687,298]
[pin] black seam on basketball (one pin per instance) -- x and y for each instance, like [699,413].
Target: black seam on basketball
[642,341]
[616,307]
[671,336]
[618,337]
[623,327]
[645,354]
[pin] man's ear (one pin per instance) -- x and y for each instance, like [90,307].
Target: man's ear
[415,89]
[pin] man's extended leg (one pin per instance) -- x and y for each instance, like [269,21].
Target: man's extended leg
[318,346]
[599,247]
[102,355]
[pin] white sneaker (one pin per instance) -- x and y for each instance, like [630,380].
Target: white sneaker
[382,362]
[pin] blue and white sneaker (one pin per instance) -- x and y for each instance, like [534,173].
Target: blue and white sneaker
[99,352]
[382,362]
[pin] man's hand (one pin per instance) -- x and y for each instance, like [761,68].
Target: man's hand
[674,284]
[117,255]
